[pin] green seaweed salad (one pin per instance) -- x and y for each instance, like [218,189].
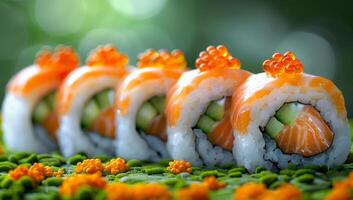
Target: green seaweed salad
[26,175]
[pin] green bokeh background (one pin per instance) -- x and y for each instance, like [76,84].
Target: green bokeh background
[319,32]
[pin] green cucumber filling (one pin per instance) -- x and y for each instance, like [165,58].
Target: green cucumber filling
[214,113]
[149,111]
[43,108]
[97,104]
[299,129]
[286,115]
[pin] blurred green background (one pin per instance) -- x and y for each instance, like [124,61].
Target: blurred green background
[319,32]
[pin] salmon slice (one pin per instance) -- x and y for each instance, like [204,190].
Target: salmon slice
[308,136]
[51,124]
[222,135]
[158,127]
[104,125]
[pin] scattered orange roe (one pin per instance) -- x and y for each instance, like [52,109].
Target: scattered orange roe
[64,58]
[18,172]
[211,183]
[253,191]
[74,183]
[216,58]
[342,190]
[284,192]
[107,56]
[282,64]
[118,191]
[116,166]
[150,191]
[179,166]
[162,59]
[195,191]
[59,173]
[90,166]
[257,191]
[37,172]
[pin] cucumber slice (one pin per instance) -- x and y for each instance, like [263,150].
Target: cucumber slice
[41,111]
[206,124]
[104,99]
[90,113]
[273,127]
[145,116]
[288,113]
[51,98]
[158,102]
[216,109]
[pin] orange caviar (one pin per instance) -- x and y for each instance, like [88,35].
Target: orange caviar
[179,166]
[282,64]
[90,166]
[162,59]
[116,166]
[118,191]
[64,58]
[107,56]
[151,191]
[211,183]
[59,173]
[250,191]
[286,192]
[37,172]
[72,184]
[342,190]
[195,191]
[18,172]
[216,58]
[257,191]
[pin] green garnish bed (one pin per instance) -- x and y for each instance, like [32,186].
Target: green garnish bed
[314,182]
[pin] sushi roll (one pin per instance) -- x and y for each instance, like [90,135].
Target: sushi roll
[286,116]
[85,104]
[198,109]
[29,117]
[141,124]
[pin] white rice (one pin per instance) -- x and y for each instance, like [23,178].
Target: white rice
[210,154]
[129,143]
[181,138]
[71,138]
[157,145]
[249,149]
[19,131]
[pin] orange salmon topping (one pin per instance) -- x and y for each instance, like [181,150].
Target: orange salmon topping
[116,166]
[64,58]
[107,56]
[151,191]
[74,183]
[90,166]
[37,172]
[179,166]
[162,59]
[216,58]
[211,183]
[282,64]
[308,136]
[258,191]
[195,191]
[118,191]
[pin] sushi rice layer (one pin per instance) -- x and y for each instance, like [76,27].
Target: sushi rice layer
[25,175]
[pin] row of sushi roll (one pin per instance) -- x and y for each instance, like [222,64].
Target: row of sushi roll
[212,115]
